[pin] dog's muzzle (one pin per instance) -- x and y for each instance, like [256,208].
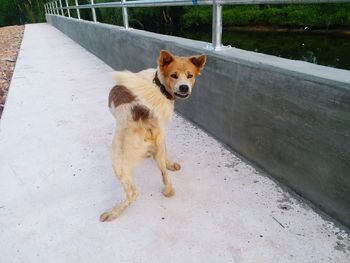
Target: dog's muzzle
[183,92]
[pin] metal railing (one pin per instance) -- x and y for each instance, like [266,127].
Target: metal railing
[55,7]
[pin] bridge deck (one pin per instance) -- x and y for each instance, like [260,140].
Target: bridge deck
[56,179]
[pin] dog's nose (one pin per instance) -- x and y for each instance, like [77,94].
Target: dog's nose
[184,88]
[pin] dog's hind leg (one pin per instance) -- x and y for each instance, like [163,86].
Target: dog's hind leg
[160,158]
[124,158]
[127,181]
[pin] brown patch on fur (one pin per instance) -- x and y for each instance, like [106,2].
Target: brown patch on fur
[140,112]
[119,95]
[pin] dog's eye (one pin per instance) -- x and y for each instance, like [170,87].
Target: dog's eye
[189,76]
[174,76]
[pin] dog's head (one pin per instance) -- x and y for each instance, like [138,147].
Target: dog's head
[178,74]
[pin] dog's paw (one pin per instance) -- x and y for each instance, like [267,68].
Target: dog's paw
[108,216]
[168,191]
[177,166]
[174,167]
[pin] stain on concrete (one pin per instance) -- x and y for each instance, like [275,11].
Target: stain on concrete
[341,247]
[231,165]
[285,199]
[284,207]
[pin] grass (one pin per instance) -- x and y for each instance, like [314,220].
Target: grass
[313,16]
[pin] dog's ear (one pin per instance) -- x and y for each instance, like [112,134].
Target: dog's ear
[198,61]
[165,58]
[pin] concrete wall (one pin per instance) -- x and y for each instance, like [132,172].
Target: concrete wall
[290,118]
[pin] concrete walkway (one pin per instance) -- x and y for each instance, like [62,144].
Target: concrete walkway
[56,179]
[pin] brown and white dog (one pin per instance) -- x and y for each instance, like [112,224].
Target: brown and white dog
[142,104]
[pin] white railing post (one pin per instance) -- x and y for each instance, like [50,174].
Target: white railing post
[93,12]
[68,10]
[61,7]
[217,25]
[56,6]
[125,16]
[77,8]
[52,8]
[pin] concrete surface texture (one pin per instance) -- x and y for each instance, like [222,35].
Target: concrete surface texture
[56,179]
[291,118]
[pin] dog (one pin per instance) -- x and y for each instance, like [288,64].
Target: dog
[142,104]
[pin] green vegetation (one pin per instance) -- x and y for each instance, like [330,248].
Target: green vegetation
[142,17]
[313,16]
[324,16]
[14,12]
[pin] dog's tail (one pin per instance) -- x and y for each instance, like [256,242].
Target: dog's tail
[119,76]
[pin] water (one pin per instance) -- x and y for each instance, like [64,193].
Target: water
[322,49]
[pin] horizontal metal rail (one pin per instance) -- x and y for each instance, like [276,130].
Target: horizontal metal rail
[52,8]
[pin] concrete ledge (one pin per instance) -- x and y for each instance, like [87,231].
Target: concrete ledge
[290,118]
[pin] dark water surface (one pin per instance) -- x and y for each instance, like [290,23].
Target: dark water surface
[322,49]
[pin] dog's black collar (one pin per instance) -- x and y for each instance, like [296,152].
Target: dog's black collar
[162,87]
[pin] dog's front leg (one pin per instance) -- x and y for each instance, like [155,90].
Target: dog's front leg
[161,160]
